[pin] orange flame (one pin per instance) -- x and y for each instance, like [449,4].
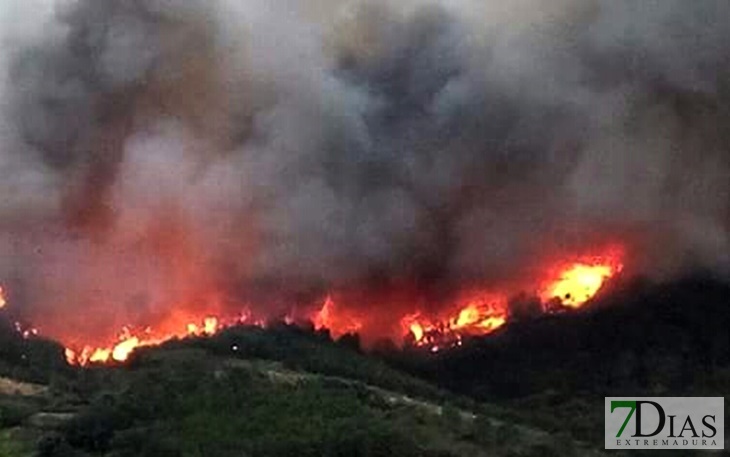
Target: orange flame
[573,285]
[210,325]
[417,331]
[3,302]
[128,341]
[339,323]
[578,284]
[474,312]
[479,315]
[580,281]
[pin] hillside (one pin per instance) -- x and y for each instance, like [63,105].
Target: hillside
[535,388]
[277,392]
[641,338]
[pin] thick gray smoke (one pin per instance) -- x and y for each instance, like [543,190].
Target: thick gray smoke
[272,151]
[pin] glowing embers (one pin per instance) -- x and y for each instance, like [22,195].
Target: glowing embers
[22,329]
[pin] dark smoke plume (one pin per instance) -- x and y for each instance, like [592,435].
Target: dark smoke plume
[274,151]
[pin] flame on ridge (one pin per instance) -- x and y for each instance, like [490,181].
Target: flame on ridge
[571,285]
[477,312]
[128,341]
[479,315]
[578,284]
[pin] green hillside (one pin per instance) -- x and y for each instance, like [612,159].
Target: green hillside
[277,392]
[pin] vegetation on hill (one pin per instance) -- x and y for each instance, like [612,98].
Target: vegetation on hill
[640,339]
[281,391]
[536,388]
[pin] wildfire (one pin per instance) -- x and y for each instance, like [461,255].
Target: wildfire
[578,282]
[472,313]
[3,302]
[478,316]
[209,327]
[338,322]
[128,341]
[572,284]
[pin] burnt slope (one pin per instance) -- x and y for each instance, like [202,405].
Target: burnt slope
[640,337]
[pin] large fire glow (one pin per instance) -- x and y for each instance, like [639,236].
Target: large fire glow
[475,312]
[128,341]
[579,283]
[570,285]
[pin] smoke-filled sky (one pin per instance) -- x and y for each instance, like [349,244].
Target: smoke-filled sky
[153,151]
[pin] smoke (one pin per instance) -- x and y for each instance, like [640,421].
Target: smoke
[155,153]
